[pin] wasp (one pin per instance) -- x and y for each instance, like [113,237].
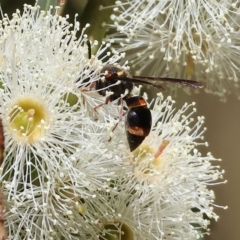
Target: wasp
[120,83]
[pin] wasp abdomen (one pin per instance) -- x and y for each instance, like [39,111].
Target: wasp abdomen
[138,121]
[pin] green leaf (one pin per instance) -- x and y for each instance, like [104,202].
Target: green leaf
[98,19]
[45,4]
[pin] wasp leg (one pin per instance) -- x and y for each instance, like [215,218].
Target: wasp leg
[121,115]
[110,138]
[100,105]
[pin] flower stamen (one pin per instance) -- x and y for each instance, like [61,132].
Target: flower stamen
[117,231]
[162,146]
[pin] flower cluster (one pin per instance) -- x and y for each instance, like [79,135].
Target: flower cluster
[184,39]
[62,178]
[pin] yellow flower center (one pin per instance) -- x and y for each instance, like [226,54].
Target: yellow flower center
[28,119]
[148,161]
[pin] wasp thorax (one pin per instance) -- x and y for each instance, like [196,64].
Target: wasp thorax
[28,120]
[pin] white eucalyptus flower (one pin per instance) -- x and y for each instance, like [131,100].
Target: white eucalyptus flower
[167,179]
[62,177]
[183,39]
[57,153]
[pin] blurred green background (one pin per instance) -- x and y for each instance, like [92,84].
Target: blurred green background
[223,133]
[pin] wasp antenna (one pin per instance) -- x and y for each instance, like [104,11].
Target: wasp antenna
[159,87]
[89,49]
[193,84]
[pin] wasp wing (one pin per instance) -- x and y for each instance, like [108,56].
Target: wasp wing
[154,81]
[144,80]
